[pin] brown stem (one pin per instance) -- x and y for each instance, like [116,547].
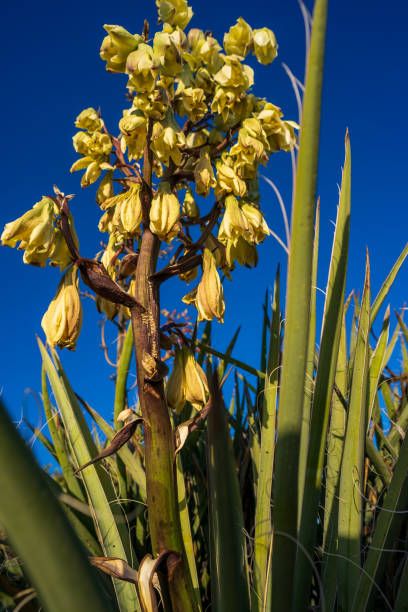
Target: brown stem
[164,521]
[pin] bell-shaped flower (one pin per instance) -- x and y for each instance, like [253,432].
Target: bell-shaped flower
[257,226]
[284,139]
[190,208]
[197,139]
[168,47]
[232,104]
[238,41]
[89,120]
[228,181]
[265,45]
[204,174]
[128,211]
[133,127]
[35,232]
[174,12]
[141,68]
[152,104]
[234,223]
[208,297]
[210,54]
[117,46]
[195,381]
[192,103]
[63,319]
[164,213]
[234,74]
[166,142]
[242,252]
[105,188]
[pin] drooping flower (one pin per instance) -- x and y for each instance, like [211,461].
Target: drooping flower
[63,319]
[164,213]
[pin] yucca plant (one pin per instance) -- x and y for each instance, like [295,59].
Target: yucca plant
[292,497]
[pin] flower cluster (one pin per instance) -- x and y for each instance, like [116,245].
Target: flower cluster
[187,159]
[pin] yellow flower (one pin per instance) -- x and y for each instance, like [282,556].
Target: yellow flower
[238,41]
[187,382]
[192,103]
[242,252]
[117,46]
[265,46]
[209,52]
[63,319]
[127,215]
[131,211]
[174,12]
[228,180]
[89,120]
[234,74]
[208,297]
[167,47]
[105,188]
[141,68]
[204,174]
[195,381]
[257,226]
[35,232]
[234,223]
[133,127]
[166,143]
[190,208]
[164,213]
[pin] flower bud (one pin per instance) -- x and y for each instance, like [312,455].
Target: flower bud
[195,381]
[208,297]
[238,41]
[204,174]
[164,213]
[265,46]
[190,208]
[131,211]
[175,391]
[63,319]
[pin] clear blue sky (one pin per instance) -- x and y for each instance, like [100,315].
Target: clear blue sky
[51,71]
